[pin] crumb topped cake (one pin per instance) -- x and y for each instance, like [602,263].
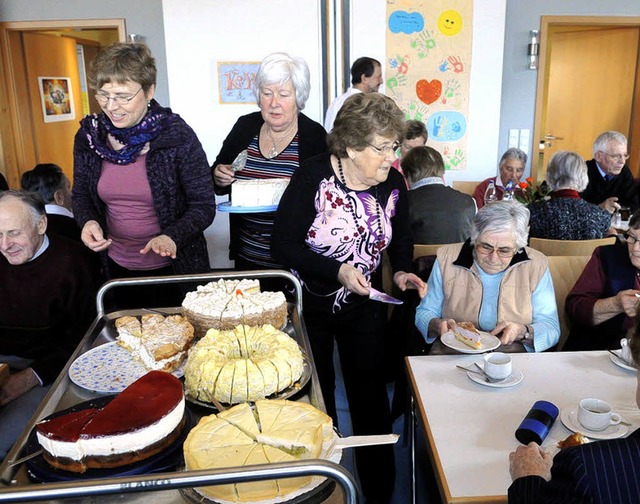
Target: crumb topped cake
[277,431]
[257,192]
[245,364]
[142,420]
[224,304]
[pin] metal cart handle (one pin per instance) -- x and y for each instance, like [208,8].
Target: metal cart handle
[171,481]
[197,278]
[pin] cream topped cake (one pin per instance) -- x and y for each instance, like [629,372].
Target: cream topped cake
[142,420]
[224,304]
[257,192]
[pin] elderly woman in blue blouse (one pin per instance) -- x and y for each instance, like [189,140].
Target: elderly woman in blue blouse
[495,282]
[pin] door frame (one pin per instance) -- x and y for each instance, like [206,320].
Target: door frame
[546,23]
[16,139]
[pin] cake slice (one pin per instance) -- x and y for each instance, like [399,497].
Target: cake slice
[242,417]
[468,334]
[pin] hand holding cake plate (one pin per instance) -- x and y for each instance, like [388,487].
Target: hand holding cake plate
[487,343]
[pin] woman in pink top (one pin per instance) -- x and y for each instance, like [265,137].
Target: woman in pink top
[143,191]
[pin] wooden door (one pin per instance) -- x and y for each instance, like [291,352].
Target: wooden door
[53,57]
[586,85]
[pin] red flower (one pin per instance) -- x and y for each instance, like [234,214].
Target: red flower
[530,180]
[523,185]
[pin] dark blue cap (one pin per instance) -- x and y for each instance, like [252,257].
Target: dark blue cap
[537,423]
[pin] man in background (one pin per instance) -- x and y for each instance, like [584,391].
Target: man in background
[611,182]
[366,77]
[47,298]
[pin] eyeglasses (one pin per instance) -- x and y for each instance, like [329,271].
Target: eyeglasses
[103,99]
[385,149]
[486,249]
[616,157]
[630,239]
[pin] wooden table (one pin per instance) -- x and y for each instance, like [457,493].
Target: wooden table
[470,427]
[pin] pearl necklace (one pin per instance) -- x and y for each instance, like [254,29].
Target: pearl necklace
[380,241]
[273,151]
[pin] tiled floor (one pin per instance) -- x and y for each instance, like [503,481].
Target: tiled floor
[402,493]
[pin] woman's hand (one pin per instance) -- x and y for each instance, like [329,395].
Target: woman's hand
[511,331]
[161,245]
[410,281]
[19,383]
[223,175]
[353,280]
[439,326]
[93,236]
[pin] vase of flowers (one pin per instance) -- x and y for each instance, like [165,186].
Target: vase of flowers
[528,192]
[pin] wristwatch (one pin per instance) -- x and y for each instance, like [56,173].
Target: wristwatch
[528,334]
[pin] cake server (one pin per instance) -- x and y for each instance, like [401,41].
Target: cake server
[376,295]
[239,161]
[353,441]
[25,458]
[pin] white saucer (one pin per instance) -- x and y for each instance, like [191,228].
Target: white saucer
[514,378]
[488,342]
[620,362]
[570,421]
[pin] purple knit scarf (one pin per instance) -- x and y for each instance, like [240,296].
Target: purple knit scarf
[97,127]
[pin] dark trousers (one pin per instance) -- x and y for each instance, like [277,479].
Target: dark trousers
[359,334]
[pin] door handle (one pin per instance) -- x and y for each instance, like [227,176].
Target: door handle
[552,137]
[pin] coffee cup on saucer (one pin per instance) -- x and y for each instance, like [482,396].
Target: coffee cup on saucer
[625,351]
[596,414]
[497,365]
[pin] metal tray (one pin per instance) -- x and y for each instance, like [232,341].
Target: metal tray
[161,487]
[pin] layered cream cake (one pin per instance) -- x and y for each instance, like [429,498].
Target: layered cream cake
[224,304]
[158,342]
[245,364]
[257,192]
[142,420]
[468,334]
[277,431]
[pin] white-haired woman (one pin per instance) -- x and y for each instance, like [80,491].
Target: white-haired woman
[277,139]
[566,216]
[494,281]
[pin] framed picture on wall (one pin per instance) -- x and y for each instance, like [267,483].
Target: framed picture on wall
[56,97]
[236,80]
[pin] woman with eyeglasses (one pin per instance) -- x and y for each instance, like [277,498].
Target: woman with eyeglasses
[602,304]
[564,215]
[340,212]
[495,282]
[143,191]
[277,139]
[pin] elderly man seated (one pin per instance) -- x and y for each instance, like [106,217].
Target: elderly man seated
[47,297]
[602,471]
[495,282]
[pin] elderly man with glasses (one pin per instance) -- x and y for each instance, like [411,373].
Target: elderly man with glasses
[495,282]
[602,304]
[611,182]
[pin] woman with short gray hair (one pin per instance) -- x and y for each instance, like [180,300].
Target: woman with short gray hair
[565,215]
[494,282]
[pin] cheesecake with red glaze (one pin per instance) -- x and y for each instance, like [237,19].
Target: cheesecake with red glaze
[138,423]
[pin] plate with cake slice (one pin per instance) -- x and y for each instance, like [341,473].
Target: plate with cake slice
[108,369]
[467,339]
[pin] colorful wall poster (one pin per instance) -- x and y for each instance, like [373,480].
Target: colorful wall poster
[236,81]
[56,98]
[428,69]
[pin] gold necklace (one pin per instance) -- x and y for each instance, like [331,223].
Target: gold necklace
[273,151]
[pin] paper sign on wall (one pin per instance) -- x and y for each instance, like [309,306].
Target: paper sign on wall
[57,99]
[236,81]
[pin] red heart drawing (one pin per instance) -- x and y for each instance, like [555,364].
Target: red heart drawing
[428,92]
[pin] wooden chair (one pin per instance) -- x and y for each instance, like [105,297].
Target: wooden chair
[565,271]
[569,247]
[466,186]
[420,250]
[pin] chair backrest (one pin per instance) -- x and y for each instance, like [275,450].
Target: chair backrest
[565,271]
[466,186]
[420,250]
[569,247]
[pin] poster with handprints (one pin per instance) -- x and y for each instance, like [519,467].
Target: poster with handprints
[428,69]
[236,81]
[56,99]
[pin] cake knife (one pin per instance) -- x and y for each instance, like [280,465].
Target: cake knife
[26,457]
[354,441]
[239,161]
[376,295]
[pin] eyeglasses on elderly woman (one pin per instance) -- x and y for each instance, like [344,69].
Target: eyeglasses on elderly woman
[630,239]
[486,249]
[385,149]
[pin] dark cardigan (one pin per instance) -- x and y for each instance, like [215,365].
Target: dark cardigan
[181,187]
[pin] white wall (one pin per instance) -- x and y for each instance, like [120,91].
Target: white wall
[200,33]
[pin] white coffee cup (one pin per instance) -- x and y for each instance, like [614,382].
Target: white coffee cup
[625,351]
[596,415]
[497,365]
